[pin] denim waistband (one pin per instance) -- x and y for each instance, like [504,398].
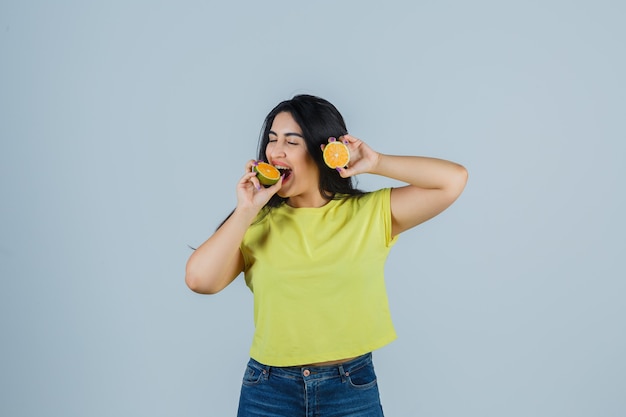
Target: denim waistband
[315,371]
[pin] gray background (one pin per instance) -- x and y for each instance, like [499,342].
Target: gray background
[125,126]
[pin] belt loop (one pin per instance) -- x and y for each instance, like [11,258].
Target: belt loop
[342,373]
[266,372]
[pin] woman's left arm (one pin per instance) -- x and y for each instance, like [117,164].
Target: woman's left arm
[433,184]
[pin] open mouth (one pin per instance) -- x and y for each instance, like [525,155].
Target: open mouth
[284,171]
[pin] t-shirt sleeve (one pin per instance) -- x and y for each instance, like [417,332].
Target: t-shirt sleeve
[384,203]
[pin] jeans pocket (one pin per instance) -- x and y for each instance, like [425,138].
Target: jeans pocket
[363,377]
[253,375]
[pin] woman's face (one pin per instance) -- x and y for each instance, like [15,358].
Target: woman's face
[287,151]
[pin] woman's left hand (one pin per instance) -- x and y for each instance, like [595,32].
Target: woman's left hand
[363,159]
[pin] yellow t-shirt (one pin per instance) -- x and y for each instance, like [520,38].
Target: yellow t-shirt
[317,275]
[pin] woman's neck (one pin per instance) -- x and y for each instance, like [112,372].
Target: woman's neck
[311,201]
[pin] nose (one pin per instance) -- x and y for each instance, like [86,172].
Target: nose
[276,149]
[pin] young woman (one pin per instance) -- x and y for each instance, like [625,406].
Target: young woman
[312,249]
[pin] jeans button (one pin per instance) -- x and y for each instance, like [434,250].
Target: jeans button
[306,372]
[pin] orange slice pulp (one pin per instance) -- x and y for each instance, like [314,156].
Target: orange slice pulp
[266,173]
[336,154]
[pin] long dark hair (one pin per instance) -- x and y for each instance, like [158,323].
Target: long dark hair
[319,120]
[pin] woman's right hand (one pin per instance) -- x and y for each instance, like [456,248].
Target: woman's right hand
[251,194]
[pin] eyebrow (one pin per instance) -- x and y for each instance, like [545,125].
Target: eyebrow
[287,134]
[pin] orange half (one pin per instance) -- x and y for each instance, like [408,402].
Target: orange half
[336,154]
[266,173]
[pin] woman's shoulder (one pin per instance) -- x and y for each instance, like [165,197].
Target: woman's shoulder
[366,198]
[364,195]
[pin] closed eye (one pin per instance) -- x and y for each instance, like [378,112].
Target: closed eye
[290,142]
[292,138]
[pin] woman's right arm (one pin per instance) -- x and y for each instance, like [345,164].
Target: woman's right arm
[218,261]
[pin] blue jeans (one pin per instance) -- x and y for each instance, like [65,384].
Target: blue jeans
[348,389]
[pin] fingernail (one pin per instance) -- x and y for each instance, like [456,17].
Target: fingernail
[255,163]
[332,139]
[338,169]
